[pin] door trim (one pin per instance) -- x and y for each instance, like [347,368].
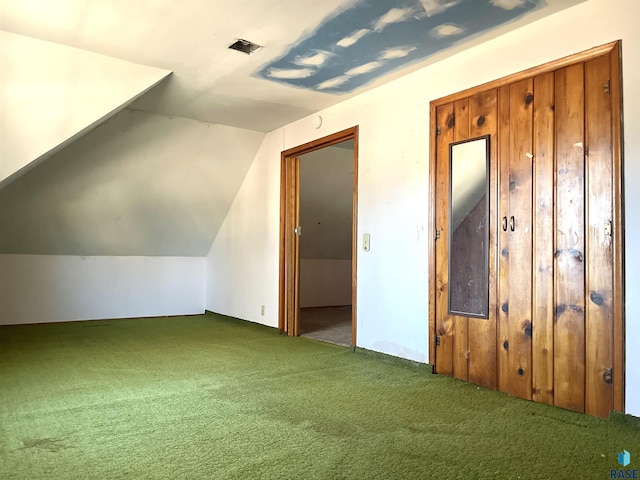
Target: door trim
[613,48]
[289,188]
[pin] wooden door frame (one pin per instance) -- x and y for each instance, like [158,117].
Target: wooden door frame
[613,48]
[289,205]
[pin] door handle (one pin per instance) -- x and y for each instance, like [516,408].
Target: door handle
[512,223]
[504,224]
[298,230]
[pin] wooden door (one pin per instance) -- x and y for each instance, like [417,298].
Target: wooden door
[555,331]
[466,344]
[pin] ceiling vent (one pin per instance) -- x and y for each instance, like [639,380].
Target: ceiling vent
[245,46]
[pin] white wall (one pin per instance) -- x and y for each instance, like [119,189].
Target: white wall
[41,288]
[50,94]
[325,282]
[393,183]
[242,265]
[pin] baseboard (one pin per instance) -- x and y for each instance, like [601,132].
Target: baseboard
[243,320]
[103,319]
[404,362]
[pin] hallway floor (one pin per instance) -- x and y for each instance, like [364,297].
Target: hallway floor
[328,324]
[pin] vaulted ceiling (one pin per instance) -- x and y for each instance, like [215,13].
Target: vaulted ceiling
[182,115]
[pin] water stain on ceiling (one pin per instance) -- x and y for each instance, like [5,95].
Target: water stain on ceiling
[374,37]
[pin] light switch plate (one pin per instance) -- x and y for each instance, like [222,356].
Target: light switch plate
[366,242]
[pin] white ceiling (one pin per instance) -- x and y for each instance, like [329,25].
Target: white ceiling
[211,83]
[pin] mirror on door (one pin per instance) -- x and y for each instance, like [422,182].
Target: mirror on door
[468,229]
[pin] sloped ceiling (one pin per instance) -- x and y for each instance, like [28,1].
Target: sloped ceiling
[52,94]
[140,184]
[159,177]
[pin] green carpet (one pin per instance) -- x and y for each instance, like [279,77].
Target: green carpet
[214,397]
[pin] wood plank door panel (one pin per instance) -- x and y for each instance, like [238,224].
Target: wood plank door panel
[460,323]
[483,120]
[543,238]
[445,121]
[503,145]
[569,368]
[519,184]
[599,245]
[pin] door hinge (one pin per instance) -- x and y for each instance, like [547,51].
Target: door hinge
[607,376]
[298,230]
[607,228]
[438,233]
[437,340]
[606,86]
[438,131]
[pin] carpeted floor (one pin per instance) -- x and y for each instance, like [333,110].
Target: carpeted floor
[216,398]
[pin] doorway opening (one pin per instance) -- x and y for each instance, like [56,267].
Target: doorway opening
[318,239]
[326,216]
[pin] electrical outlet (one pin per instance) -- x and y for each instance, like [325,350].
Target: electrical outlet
[262,310]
